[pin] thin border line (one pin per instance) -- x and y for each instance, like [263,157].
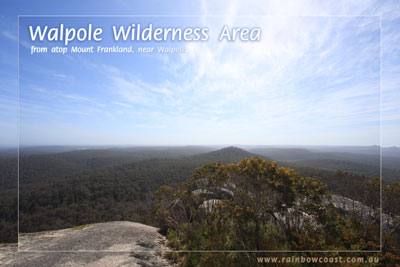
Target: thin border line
[380,137]
[196,251]
[197,15]
[18,134]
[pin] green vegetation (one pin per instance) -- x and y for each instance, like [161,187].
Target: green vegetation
[59,191]
[79,227]
[256,205]
[81,187]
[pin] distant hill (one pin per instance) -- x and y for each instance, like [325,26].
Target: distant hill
[34,167]
[371,150]
[364,150]
[287,154]
[391,152]
[38,150]
[361,160]
[227,155]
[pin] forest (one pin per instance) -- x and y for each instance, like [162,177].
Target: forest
[247,197]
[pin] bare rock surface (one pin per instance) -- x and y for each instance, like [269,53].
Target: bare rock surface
[103,244]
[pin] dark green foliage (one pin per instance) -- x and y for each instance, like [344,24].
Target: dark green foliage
[8,200]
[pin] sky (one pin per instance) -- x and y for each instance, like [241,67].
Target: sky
[314,78]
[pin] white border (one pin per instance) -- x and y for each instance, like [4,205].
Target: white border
[211,251]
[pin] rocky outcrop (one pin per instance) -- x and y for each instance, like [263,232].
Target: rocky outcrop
[358,209]
[103,244]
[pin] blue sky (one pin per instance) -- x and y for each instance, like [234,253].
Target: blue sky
[313,79]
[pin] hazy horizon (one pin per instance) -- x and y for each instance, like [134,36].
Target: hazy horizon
[186,145]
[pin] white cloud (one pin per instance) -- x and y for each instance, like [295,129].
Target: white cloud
[9,36]
[305,73]
[125,105]
[14,38]
[59,75]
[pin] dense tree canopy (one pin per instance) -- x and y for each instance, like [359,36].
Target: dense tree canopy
[256,205]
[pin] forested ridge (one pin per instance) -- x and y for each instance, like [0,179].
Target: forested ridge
[79,187]
[58,191]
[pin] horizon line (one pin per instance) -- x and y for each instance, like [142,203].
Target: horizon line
[182,145]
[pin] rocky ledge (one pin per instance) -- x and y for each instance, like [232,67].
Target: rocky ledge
[102,244]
